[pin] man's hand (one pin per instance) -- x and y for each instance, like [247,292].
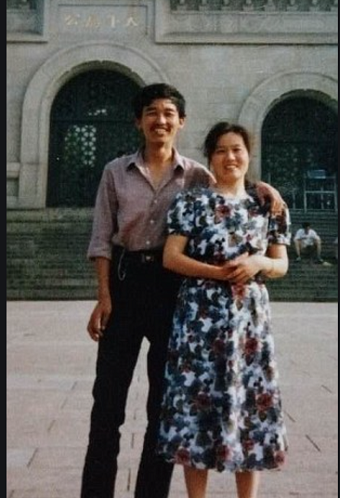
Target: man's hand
[265,192]
[99,319]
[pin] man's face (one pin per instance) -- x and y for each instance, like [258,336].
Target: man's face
[160,122]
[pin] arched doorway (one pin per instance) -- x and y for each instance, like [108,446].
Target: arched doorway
[91,123]
[299,145]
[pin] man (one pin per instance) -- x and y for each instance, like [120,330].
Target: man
[136,295]
[307,241]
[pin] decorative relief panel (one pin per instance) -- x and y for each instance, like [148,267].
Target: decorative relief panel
[22,4]
[247,21]
[26,20]
[254,5]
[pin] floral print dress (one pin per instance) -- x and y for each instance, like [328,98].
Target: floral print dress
[222,407]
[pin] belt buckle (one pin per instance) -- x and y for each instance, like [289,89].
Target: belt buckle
[148,258]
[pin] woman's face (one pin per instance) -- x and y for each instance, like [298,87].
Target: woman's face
[230,160]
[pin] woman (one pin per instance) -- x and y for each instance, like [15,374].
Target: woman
[222,406]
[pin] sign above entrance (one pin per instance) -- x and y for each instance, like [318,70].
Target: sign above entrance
[102,19]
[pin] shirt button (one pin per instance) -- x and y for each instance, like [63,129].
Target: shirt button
[148,242]
[152,222]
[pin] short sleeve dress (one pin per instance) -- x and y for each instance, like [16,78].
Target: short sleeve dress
[222,405]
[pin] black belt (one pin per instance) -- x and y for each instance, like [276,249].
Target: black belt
[139,257]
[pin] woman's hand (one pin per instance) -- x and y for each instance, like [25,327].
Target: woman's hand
[242,268]
[99,318]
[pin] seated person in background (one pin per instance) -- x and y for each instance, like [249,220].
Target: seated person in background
[307,241]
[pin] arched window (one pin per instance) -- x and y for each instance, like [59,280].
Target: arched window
[299,135]
[91,123]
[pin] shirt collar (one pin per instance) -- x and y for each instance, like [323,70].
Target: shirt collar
[136,159]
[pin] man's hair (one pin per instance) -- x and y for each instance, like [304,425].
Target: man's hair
[149,93]
[306,224]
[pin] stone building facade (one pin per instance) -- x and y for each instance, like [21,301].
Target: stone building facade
[73,66]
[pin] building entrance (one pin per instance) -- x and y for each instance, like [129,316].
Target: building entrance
[91,124]
[299,153]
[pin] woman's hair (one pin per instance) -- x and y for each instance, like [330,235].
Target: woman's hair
[149,93]
[220,129]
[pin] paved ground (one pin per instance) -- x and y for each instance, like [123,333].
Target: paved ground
[50,372]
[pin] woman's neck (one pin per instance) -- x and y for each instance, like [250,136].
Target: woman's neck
[234,190]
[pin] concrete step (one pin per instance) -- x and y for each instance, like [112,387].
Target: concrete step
[306,281]
[46,258]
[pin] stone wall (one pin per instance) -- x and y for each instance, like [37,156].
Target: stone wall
[229,65]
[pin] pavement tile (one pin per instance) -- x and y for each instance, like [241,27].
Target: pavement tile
[50,367]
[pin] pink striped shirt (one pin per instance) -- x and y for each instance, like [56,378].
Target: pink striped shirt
[130,211]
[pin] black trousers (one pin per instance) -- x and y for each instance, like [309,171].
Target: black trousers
[144,296]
